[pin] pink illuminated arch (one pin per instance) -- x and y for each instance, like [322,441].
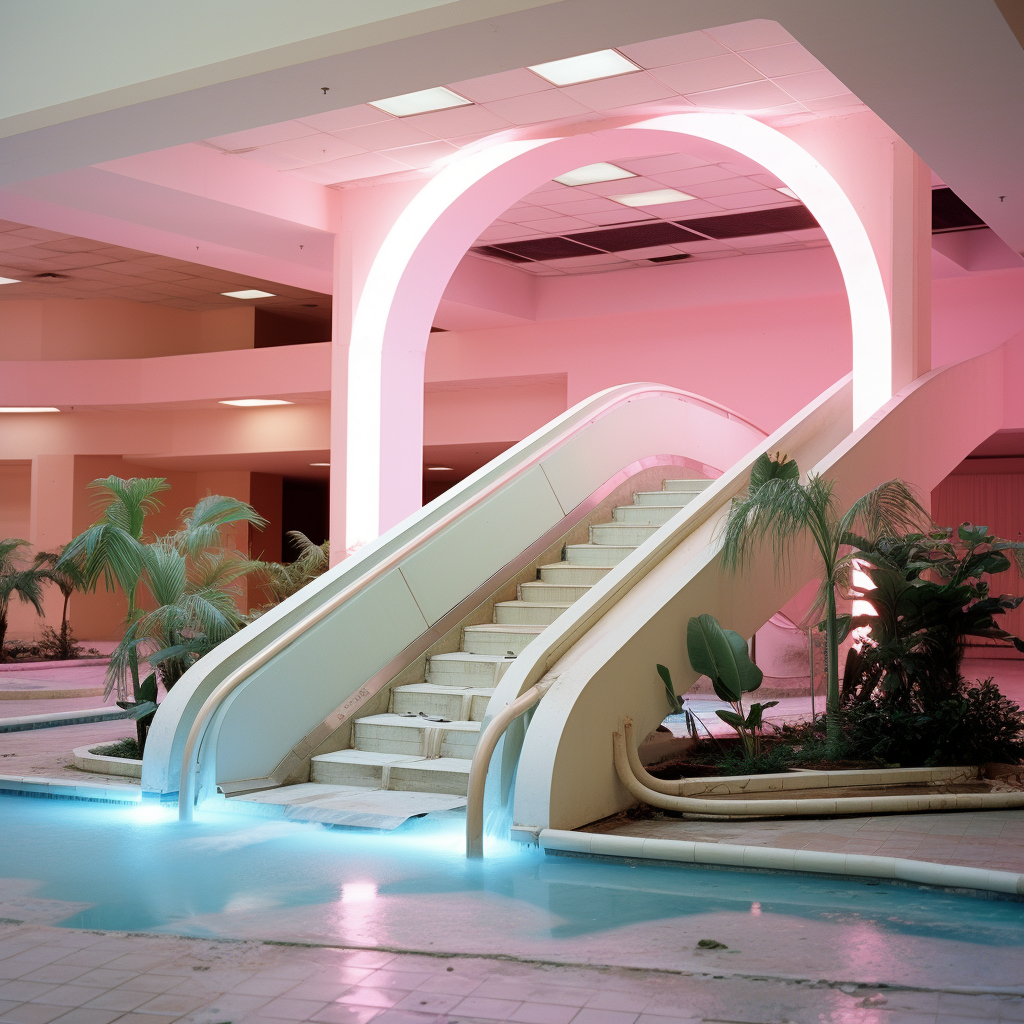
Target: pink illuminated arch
[407,279]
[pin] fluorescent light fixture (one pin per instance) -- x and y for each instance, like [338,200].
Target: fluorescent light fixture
[249,293]
[440,469]
[593,173]
[9,280]
[585,68]
[29,408]
[319,463]
[788,192]
[422,102]
[655,198]
[252,403]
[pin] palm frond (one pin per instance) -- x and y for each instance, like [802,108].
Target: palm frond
[126,503]
[201,524]
[890,510]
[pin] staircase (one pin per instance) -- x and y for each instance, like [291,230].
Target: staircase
[415,759]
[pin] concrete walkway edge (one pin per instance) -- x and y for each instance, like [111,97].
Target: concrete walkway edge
[776,859]
[81,717]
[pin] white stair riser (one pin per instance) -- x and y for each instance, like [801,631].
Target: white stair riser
[524,613]
[686,485]
[544,592]
[646,515]
[449,672]
[572,575]
[407,778]
[387,739]
[469,707]
[677,498]
[335,774]
[589,554]
[621,533]
[495,641]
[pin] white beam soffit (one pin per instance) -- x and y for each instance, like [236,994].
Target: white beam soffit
[950,92]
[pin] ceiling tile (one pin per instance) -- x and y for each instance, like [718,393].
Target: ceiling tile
[538,106]
[691,208]
[346,117]
[556,225]
[424,155]
[268,157]
[724,187]
[624,215]
[620,187]
[265,136]
[747,200]
[658,53]
[711,73]
[38,234]
[500,86]
[351,168]
[683,179]
[593,204]
[748,35]
[602,259]
[753,96]
[787,59]
[313,149]
[8,242]
[449,124]
[647,253]
[814,85]
[661,164]
[625,90]
[385,135]
[847,103]
[65,244]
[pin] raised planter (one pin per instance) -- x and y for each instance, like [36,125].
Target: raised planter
[104,765]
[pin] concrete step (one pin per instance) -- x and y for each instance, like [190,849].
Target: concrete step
[597,554]
[449,775]
[621,533]
[355,767]
[677,498]
[498,639]
[529,613]
[695,486]
[459,703]
[645,515]
[572,574]
[351,806]
[399,772]
[545,593]
[462,669]
[392,734]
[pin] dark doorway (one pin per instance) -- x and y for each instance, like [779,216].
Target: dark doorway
[304,507]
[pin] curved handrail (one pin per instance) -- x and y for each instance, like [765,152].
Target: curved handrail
[628,393]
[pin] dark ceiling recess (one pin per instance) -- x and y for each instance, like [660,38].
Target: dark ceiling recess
[757,222]
[636,236]
[951,213]
[670,259]
[653,233]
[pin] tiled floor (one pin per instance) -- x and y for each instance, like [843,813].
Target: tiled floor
[55,976]
[983,839]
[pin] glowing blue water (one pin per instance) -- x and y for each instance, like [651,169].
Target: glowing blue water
[139,869]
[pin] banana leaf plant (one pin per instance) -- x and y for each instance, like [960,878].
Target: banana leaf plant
[721,655]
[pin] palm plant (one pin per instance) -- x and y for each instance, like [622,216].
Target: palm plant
[67,576]
[778,509]
[283,580]
[16,580]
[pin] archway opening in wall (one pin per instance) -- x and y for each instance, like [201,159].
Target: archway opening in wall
[446,219]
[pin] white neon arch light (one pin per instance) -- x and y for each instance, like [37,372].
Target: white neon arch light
[419,254]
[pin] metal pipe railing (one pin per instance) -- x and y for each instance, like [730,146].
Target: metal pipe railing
[621,396]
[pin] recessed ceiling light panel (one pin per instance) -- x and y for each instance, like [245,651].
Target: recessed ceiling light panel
[249,293]
[320,464]
[441,469]
[788,192]
[253,403]
[585,68]
[9,280]
[29,408]
[593,173]
[655,198]
[422,102]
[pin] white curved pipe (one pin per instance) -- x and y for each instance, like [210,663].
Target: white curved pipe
[811,807]
[482,761]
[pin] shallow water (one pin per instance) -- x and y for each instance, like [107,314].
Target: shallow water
[138,869]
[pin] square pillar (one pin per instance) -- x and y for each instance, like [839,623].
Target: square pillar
[51,525]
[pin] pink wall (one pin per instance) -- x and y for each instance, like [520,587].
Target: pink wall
[62,329]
